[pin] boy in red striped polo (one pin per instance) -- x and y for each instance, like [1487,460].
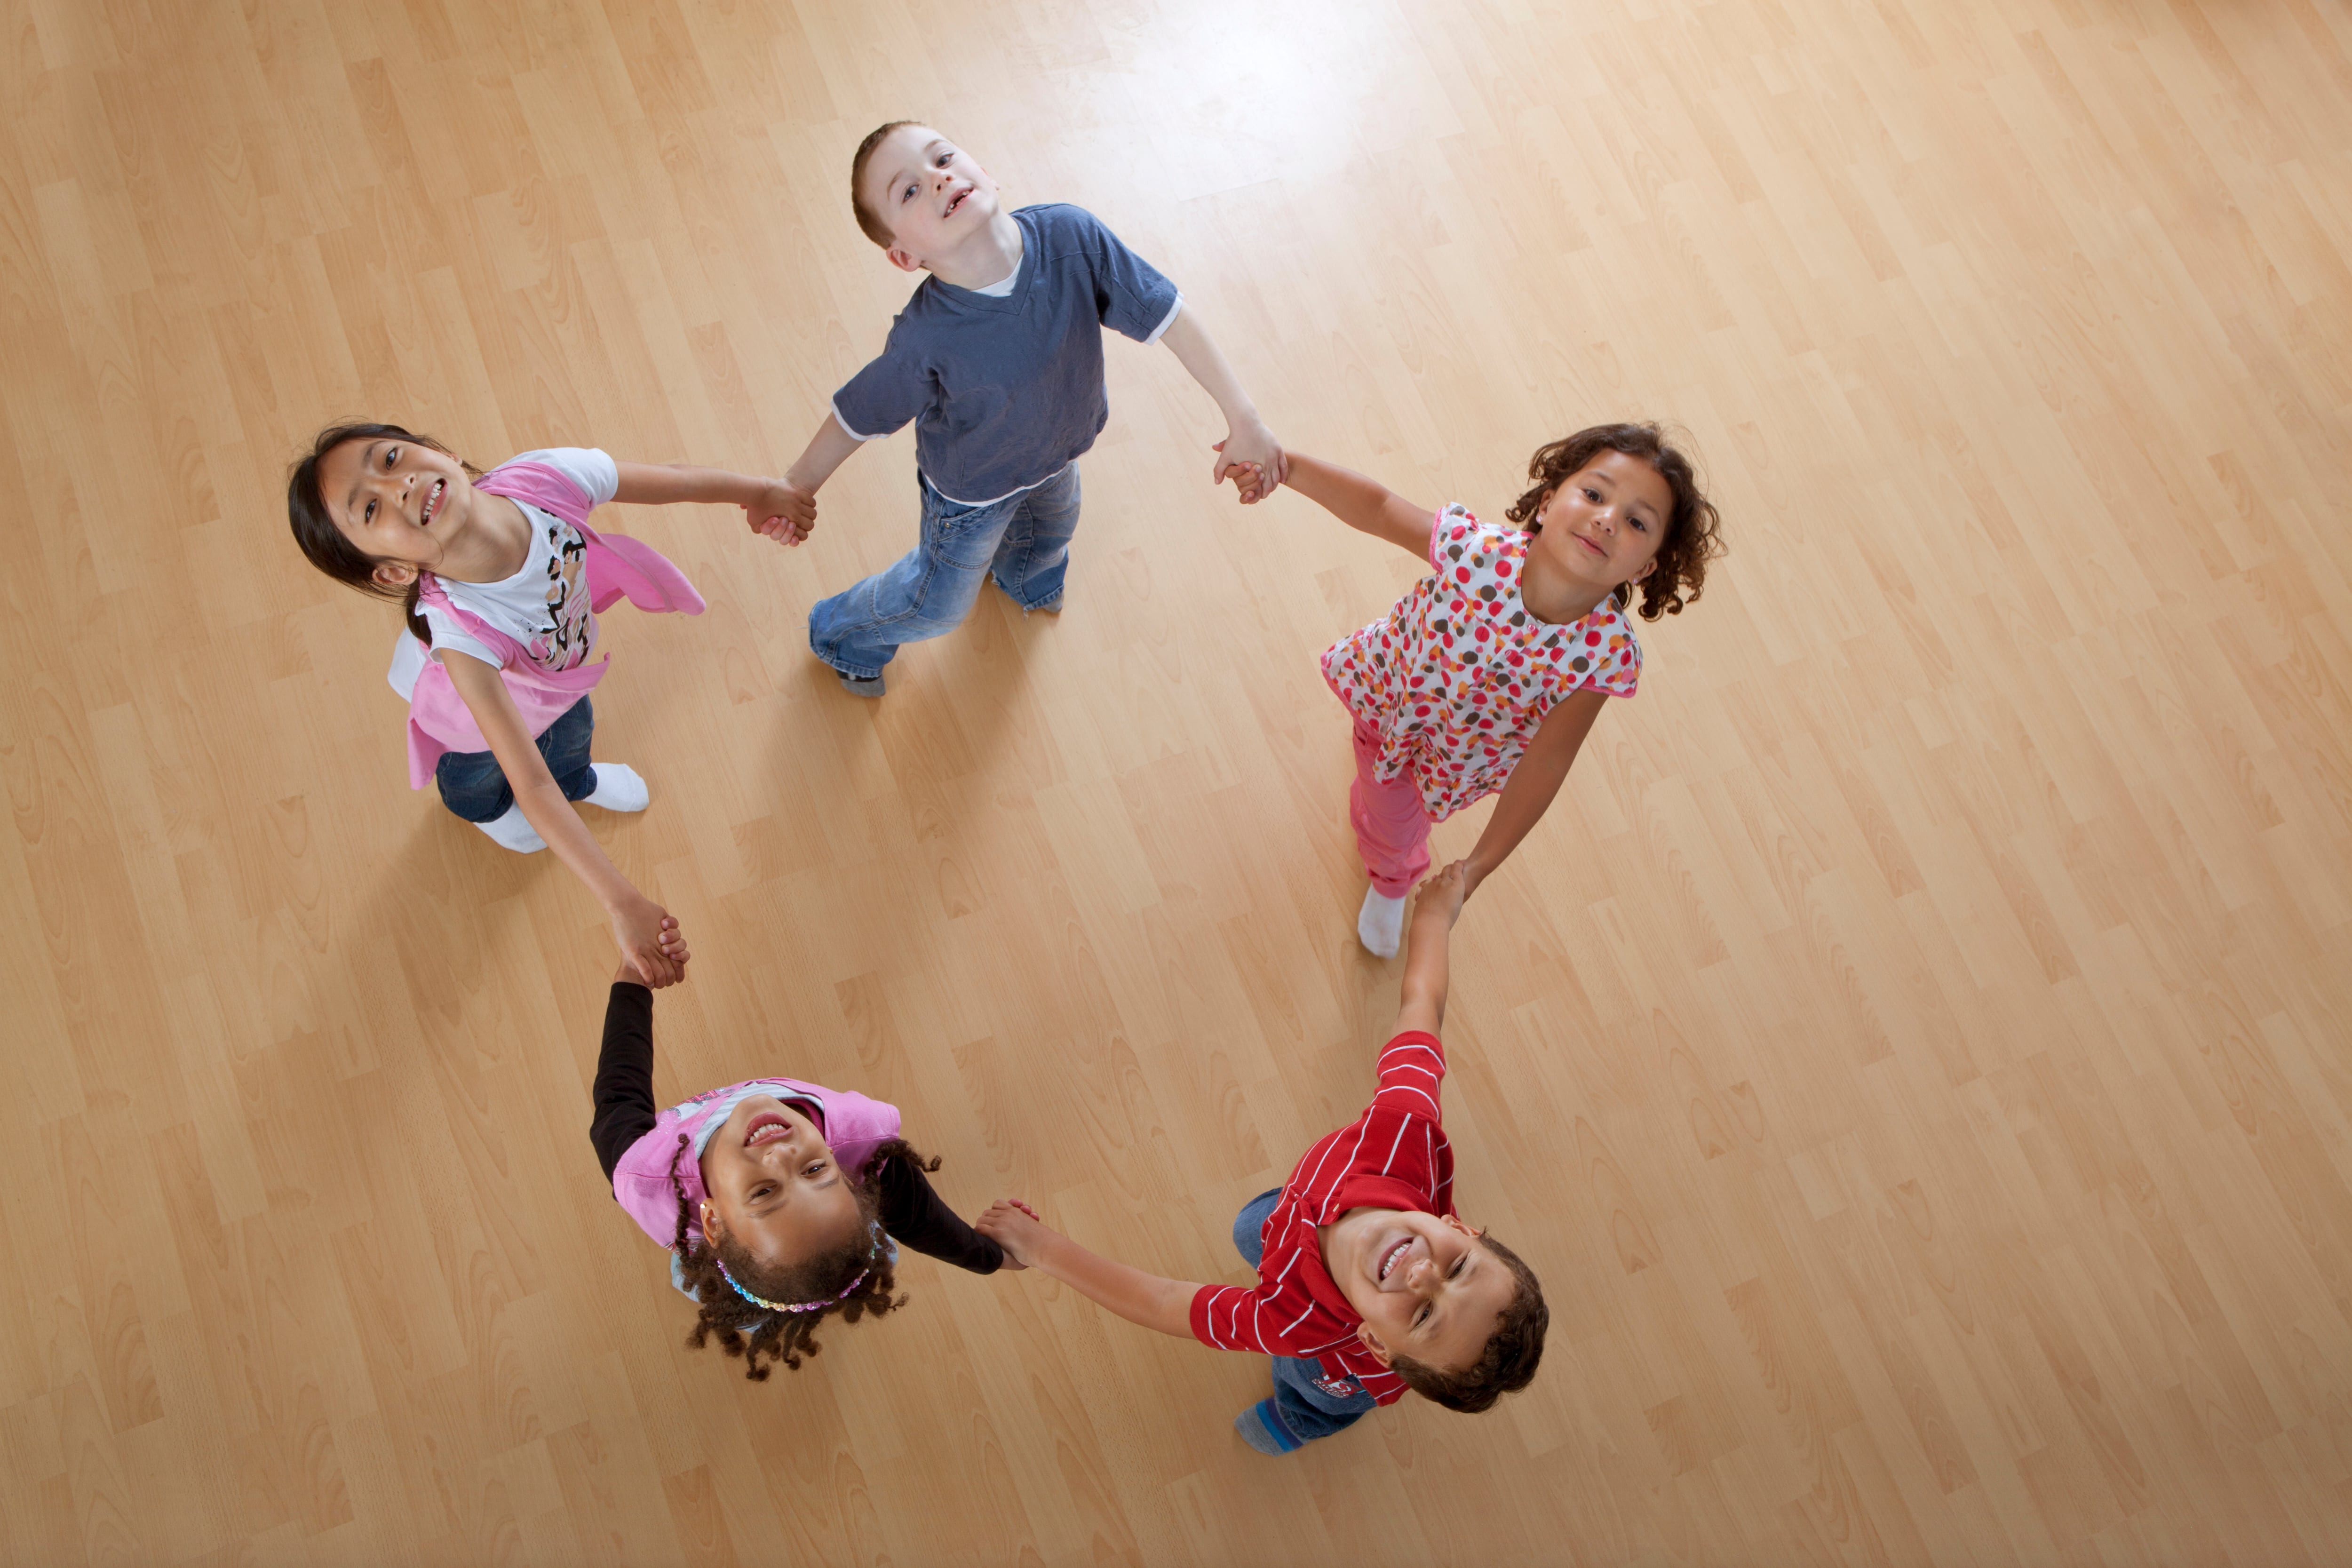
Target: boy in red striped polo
[1368,1283]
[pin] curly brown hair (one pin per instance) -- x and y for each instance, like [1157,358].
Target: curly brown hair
[325,546]
[762,1337]
[869,219]
[1513,1351]
[1693,534]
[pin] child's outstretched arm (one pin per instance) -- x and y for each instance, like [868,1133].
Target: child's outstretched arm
[623,1091]
[1145,1299]
[1365,505]
[649,940]
[1420,1002]
[1248,444]
[1528,793]
[770,506]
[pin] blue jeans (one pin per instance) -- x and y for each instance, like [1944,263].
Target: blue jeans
[473,786]
[1305,1407]
[1023,541]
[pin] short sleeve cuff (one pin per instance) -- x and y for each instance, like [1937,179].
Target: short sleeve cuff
[450,635]
[1166,321]
[854,432]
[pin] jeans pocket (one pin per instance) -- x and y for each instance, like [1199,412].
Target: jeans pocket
[962,536]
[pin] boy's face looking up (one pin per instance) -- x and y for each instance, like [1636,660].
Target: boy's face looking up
[928,192]
[1425,1288]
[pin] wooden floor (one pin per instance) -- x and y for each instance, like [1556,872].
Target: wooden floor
[1915,1053]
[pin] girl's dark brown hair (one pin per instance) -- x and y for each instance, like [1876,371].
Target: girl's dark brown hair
[760,1336]
[1693,534]
[324,544]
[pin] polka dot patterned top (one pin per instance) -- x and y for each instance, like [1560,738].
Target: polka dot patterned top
[1458,677]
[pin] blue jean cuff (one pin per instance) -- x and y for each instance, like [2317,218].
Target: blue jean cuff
[874,674]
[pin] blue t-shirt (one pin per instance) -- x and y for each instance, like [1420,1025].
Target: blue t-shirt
[1004,392]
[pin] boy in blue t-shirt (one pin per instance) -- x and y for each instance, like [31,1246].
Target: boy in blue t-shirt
[997,359]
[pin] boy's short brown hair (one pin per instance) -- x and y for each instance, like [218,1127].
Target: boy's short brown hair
[1512,1353]
[867,218]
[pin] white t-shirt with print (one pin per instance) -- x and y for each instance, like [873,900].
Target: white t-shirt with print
[544,606]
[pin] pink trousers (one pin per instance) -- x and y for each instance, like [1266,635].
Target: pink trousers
[1391,826]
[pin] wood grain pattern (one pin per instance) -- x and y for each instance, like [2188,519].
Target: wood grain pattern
[1912,1051]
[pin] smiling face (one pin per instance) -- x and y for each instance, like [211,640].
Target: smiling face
[402,502]
[1426,1287]
[928,192]
[774,1188]
[1602,525]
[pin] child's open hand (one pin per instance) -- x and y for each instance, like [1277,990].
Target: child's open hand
[781,512]
[653,949]
[1440,897]
[1014,1226]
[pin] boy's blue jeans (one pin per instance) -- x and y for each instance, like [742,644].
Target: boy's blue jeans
[1303,1406]
[473,786]
[1023,541]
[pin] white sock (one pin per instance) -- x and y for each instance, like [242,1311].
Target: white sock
[514,831]
[618,788]
[1380,923]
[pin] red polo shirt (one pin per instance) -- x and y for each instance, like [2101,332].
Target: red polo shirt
[1394,1156]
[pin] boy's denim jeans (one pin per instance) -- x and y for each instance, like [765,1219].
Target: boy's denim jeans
[473,786]
[1301,1403]
[1023,541]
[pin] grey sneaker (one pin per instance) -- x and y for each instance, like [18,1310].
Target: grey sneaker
[859,688]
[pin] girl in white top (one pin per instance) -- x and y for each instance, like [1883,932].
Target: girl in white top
[504,571]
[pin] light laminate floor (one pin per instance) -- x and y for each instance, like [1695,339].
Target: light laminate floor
[1914,1052]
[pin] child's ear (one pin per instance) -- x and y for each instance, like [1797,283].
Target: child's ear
[711,1228]
[1371,1343]
[1472,1231]
[905,261]
[394,574]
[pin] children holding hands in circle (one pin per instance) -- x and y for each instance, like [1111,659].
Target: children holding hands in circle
[782,1202]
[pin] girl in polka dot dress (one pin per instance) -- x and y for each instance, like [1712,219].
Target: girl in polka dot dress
[1489,674]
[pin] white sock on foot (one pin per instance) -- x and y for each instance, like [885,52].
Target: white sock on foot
[618,788]
[514,831]
[1380,923]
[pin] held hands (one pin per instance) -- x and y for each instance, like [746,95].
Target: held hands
[1252,459]
[653,949]
[1014,1226]
[781,510]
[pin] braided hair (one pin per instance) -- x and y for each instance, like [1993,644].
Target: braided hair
[853,1279]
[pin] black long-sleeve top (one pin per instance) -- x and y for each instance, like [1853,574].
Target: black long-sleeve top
[911,1212]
